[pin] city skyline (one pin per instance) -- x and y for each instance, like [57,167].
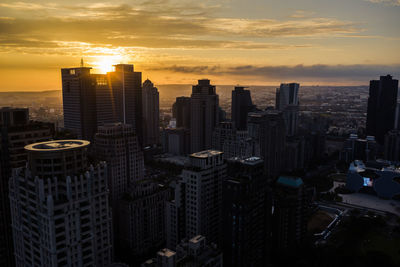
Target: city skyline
[175,42]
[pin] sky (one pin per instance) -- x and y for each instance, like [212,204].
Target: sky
[246,42]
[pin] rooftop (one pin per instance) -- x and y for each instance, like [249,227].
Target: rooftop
[206,153]
[290,181]
[57,145]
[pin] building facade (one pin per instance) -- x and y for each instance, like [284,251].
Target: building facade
[246,214]
[240,107]
[59,207]
[287,101]
[197,207]
[16,131]
[382,104]
[204,115]
[267,129]
[151,114]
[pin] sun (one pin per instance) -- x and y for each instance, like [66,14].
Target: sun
[105,64]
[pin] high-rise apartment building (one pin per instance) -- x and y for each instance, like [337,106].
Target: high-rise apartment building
[197,207]
[382,104]
[287,101]
[59,207]
[151,114]
[90,100]
[246,213]
[267,129]
[204,115]
[231,141]
[16,131]
[117,144]
[241,106]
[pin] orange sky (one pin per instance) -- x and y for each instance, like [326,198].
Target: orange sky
[257,42]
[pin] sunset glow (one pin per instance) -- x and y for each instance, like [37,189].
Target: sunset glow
[258,42]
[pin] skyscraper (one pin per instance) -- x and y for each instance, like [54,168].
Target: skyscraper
[181,112]
[59,207]
[197,207]
[241,106]
[267,129]
[126,85]
[79,102]
[16,131]
[290,213]
[287,101]
[246,214]
[382,103]
[204,115]
[151,114]
[90,100]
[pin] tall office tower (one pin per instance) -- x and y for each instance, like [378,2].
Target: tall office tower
[288,102]
[198,199]
[267,128]
[392,146]
[79,102]
[181,112]
[241,106]
[290,216]
[246,214]
[151,114]
[59,207]
[91,100]
[126,85]
[204,115]
[382,104]
[16,131]
[232,142]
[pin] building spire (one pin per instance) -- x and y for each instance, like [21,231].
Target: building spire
[82,64]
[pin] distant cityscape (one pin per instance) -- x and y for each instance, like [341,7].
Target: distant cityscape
[116,171]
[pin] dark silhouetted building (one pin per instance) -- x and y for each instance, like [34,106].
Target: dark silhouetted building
[79,102]
[90,100]
[392,146]
[267,129]
[197,207]
[181,112]
[290,217]
[176,141]
[382,103]
[16,131]
[151,114]
[355,148]
[241,106]
[246,213]
[204,115]
[59,207]
[117,144]
[232,142]
[287,101]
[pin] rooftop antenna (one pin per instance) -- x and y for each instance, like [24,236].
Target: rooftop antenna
[82,64]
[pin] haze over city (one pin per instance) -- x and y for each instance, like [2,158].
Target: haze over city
[257,42]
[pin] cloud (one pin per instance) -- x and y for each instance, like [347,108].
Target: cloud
[156,24]
[301,72]
[386,2]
